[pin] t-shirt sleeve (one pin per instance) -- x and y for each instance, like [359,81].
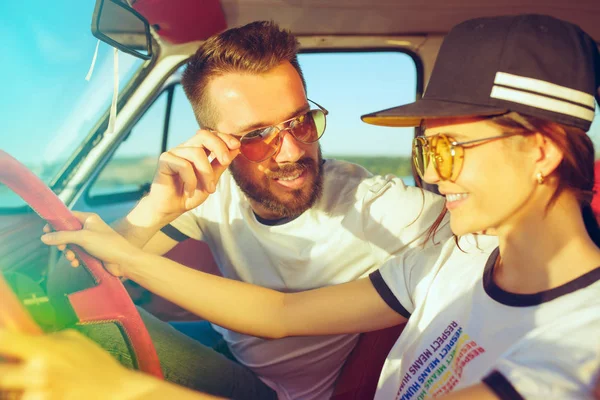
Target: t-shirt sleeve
[396,217]
[399,278]
[387,295]
[174,233]
[556,364]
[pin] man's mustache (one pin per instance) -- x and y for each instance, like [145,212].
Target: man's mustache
[291,169]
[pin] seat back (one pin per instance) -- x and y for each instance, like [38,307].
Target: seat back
[360,374]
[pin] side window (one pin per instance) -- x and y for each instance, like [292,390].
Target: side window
[350,84]
[128,174]
[183,124]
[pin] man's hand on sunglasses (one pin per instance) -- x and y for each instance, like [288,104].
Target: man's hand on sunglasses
[188,173]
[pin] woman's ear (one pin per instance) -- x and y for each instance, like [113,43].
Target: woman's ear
[548,154]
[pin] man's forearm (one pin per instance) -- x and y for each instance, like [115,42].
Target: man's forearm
[142,223]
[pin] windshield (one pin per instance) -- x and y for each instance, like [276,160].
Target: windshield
[48,106]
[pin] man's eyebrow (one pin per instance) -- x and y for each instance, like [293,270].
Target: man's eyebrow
[247,128]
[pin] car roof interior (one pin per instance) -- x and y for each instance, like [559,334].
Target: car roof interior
[363,17]
[414,25]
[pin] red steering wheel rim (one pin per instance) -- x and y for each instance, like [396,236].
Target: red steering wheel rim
[115,305]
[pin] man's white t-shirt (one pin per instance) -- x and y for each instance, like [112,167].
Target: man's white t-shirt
[464,329]
[360,222]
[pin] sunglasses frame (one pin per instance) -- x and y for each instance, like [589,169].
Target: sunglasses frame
[280,130]
[456,150]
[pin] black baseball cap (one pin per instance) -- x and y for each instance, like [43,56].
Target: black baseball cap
[532,64]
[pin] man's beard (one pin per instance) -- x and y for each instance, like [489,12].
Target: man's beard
[299,201]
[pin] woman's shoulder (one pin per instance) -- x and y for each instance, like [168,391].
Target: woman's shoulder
[472,250]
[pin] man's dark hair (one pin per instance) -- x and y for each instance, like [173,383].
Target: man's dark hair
[254,48]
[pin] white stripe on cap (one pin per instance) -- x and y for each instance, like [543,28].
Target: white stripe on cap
[543,102]
[544,87]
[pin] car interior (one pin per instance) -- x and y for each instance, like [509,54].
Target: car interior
[386,50]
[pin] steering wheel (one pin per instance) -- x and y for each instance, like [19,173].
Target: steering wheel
[108,301]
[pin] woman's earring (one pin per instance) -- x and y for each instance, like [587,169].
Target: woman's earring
[540,178]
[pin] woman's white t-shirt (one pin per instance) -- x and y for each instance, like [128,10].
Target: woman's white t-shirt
[464,330]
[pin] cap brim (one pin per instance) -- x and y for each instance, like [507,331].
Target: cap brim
[412,114]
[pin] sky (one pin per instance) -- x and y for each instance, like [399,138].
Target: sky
[47,105]
[43,68]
